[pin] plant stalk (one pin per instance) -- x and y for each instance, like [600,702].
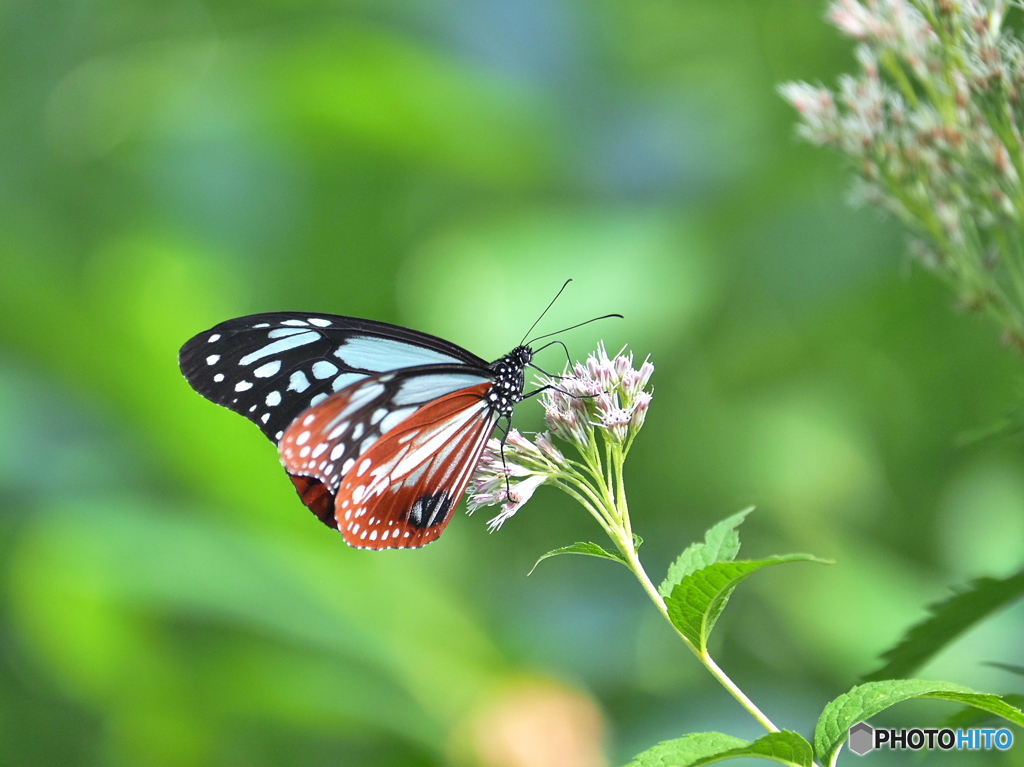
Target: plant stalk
[625,544]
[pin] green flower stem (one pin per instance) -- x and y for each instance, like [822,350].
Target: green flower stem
[603,495]
[625,544]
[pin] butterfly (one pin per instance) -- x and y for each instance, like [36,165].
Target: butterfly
[379,427]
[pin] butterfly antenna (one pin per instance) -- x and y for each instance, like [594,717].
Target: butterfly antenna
[560,290]
[573,327]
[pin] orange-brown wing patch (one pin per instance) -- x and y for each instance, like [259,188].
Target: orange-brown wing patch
[317,498]
[402,491]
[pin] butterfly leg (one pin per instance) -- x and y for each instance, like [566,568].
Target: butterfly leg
[504,466]
[562,391]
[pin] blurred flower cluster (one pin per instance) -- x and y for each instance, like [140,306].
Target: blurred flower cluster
[932,123]
[597,407]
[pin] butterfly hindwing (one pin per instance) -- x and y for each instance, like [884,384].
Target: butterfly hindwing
[271,367]
[401,493]
[325,441]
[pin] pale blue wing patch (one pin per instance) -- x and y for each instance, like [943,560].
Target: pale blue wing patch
[380,354]
[421,389]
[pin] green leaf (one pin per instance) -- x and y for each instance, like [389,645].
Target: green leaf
[972,717]
[721,544]
[710,747]
[949,619]
[587,548]
[699,599]
[866,700]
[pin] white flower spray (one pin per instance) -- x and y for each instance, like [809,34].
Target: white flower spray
[598,408]
[932,124]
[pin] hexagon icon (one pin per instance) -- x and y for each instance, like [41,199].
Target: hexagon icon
[862,738]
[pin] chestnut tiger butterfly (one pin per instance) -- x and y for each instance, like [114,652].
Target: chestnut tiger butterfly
[379,427]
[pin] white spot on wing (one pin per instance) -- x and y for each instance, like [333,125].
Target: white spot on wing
[243,386]
[303,438]
[363,395]
[214,338]
[302,323]
[285,332]
[279,346]
[219,377]
[394,418]
[346,379]
[213,359]
[298,382]
[274,399]
[267,369]
[317,399]
[324,369]
[320,322]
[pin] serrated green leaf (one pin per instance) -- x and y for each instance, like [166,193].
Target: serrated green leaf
[950,618]
[972,717]
[687,750]
[585,547]
[700,749]
[721,544]
[866,700]
[699,599]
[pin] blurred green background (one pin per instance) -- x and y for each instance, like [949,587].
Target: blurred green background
[164,597]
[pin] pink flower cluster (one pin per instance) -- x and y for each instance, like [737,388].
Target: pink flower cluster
[603,395]
[932,124]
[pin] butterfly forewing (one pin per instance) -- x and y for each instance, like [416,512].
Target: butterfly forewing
[402,492]
[271,367]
